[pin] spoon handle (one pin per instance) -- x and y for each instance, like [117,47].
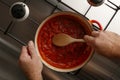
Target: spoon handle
[79,40]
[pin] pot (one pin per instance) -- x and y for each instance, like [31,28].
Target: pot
[68,58]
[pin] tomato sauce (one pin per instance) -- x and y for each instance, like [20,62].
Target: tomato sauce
[62,57]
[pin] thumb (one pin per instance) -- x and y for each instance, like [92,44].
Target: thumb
[89,39]
[31,49]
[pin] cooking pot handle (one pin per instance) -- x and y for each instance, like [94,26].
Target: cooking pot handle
[99,25]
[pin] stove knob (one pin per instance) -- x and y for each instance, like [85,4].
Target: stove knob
[95,2]
[19,11]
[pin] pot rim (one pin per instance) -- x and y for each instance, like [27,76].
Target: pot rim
[36,45]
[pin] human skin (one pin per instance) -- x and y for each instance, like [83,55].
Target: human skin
[105,43]
[30,62]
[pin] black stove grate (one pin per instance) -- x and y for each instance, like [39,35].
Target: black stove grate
[55,7]
[6,32]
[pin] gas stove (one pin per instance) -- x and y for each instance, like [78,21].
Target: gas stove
[99,67]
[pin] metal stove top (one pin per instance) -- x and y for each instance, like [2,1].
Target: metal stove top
[99,67]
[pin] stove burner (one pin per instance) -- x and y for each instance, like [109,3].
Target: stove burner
[19,11]
[95,2]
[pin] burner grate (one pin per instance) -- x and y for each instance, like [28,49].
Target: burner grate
[57,6]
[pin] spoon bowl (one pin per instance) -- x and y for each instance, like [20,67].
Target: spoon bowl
[64,39]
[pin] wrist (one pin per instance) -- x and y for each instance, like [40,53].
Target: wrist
[35,77]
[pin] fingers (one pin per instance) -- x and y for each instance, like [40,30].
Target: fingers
[89,39]
[31,49]
[28,51]
[24,52]
[24,56]
[92,37]
[95,33]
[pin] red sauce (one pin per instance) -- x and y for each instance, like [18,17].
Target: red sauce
[62,57]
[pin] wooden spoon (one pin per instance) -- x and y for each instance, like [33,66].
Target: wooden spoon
[64,39]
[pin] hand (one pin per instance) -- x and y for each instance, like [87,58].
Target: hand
[104,42]
[30,62]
